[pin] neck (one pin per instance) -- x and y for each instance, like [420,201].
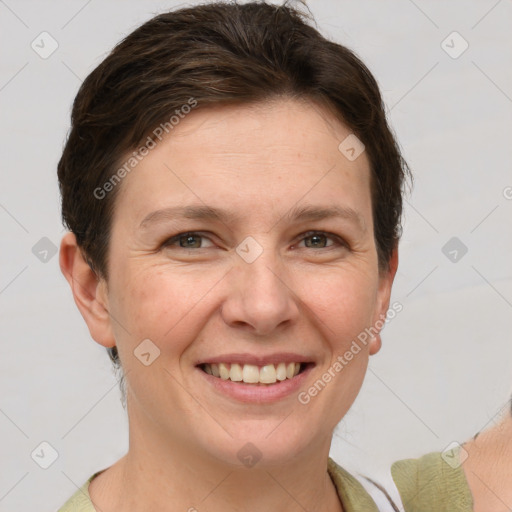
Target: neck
[168,475]
[488,468]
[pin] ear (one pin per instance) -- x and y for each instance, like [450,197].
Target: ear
[383,298]
[89,291]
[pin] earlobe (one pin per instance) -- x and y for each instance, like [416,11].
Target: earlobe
[375,344]
[89,291]
[384,296]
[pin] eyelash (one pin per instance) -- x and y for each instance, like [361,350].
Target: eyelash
[336,239]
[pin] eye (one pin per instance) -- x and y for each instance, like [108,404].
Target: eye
[319,240]
[197,240]
[190,240]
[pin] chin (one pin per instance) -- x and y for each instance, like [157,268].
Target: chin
[264,443]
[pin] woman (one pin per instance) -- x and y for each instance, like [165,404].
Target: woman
[233,194]
[488,466]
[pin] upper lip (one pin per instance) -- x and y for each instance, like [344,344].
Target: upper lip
[257,360]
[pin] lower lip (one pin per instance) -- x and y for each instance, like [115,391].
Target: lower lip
[257,393]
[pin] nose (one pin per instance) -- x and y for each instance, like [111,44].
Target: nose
[261,298]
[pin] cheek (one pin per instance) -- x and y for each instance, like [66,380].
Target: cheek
[343,306]
[162,306]
[344,303]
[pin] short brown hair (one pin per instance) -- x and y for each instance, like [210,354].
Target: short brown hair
[218,53]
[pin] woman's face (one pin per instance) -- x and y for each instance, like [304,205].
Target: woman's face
[276,263]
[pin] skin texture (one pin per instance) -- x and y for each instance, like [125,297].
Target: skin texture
[260,161]
[488,468]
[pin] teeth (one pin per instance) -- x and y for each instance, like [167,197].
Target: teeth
[223,371]
[235,373]
[252,374]
[268,374]
[281,371]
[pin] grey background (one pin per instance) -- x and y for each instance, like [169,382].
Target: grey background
[445,369]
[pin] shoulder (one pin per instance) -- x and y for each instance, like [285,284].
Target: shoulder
[488,468]
[351,492]
[435,481]
[80,501]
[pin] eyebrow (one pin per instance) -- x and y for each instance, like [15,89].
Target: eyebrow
[298,213]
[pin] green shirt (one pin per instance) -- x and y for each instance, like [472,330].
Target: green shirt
[430,483]
[426,484]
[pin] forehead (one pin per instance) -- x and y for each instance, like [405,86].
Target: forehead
[248,156]
[274,131]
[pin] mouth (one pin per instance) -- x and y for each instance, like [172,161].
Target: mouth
[255,375]
[256,378]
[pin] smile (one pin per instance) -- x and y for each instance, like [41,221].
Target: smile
[253,374]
